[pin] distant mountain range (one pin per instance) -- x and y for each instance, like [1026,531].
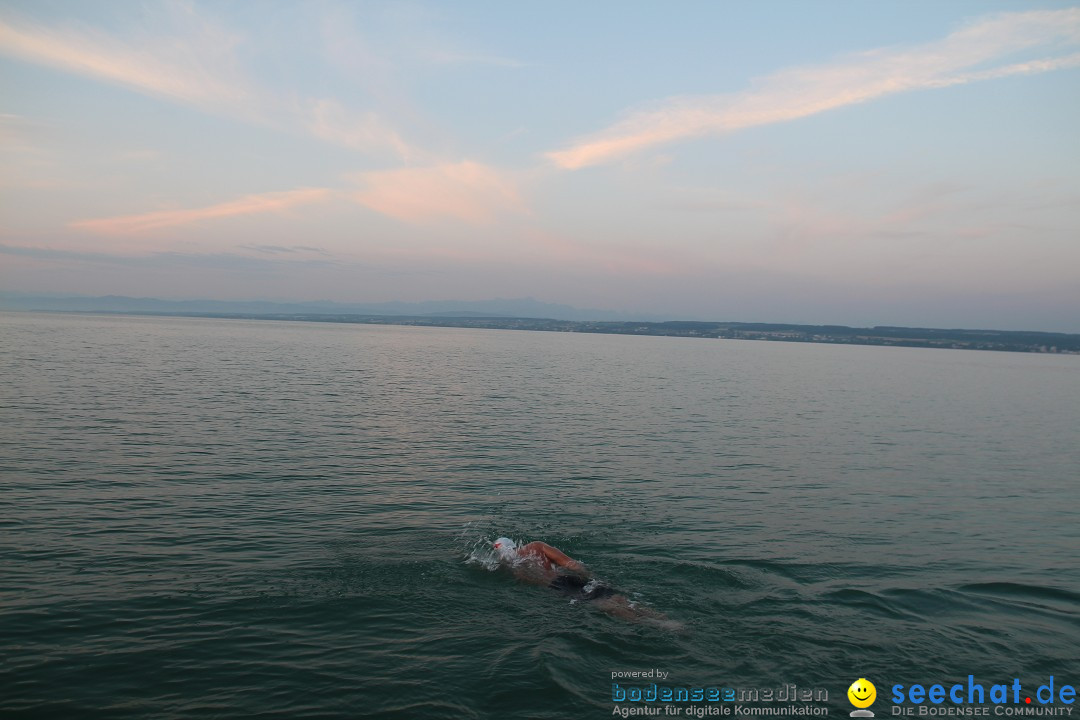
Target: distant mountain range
[530,314]
[515,308]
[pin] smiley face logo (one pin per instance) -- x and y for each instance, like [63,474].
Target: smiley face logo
[862,693]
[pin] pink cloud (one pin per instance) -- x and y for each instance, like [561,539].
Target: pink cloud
[197,69]
[466,191]
[803,91]
[198,66]
[366,131]
[247,205]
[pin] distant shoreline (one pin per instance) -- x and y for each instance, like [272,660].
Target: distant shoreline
[888,336]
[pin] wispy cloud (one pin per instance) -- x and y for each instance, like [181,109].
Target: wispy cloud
[248,205]
[14,130]
[288,249]
[366,131]
[983,50]
[165,260]
[195,64]
[466,191]
[195,69]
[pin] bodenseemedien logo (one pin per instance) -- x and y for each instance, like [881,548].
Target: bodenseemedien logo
[862,694]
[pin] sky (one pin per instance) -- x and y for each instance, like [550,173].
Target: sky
[860,163]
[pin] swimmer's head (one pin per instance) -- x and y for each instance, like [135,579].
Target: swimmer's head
[505,548]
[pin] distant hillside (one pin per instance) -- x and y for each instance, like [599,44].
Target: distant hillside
[515,307]
[529,314]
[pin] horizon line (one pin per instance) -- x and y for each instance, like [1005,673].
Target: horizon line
[445,314]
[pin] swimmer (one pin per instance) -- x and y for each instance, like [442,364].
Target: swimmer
[536,556]
[541,564]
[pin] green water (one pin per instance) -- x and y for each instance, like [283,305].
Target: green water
[208,518]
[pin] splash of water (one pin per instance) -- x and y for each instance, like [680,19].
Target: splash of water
[478,548]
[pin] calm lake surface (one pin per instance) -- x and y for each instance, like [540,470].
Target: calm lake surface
[225,518]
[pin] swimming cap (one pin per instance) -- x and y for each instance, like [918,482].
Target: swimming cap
[506,548]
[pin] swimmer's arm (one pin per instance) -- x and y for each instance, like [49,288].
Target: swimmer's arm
[558,557]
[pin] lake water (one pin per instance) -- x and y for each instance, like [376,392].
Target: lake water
[225,518]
